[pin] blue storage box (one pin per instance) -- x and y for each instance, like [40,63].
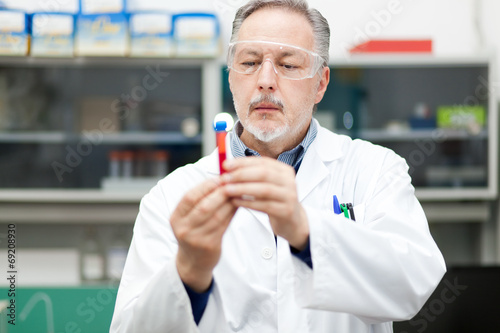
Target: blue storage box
[151,35]
[102,35]
[196,35]
[14,33]
[52,34]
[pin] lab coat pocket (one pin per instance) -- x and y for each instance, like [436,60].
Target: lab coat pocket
[359,213]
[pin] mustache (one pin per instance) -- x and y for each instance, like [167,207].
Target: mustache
[269,98]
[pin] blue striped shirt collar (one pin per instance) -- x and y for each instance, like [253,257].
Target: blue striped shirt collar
[291,157]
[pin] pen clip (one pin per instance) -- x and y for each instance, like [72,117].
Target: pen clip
[344,209]
[351,211]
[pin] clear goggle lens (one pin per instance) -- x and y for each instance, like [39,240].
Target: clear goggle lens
[289,62]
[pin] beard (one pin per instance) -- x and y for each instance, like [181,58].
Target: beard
[261,133]
[271,133]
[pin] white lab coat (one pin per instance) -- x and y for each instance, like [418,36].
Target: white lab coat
[365,274]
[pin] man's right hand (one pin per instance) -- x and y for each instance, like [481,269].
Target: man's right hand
[198,223]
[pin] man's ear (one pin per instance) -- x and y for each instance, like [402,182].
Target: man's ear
[323,84]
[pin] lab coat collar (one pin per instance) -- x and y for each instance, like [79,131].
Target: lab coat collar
[327,147]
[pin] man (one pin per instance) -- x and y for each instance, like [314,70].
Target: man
[262,248]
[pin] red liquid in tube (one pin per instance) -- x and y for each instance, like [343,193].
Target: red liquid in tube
[220,137]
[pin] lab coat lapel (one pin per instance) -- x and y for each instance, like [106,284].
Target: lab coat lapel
[312,171]
[325,148]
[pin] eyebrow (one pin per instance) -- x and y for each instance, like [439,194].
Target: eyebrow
[250,52]
[287,53]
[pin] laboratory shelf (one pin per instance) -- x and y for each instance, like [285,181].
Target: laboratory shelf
[150,138]
[46,206]
[107,62]
[454,194]
[421,134]
[70,196]
[138,138]
[33,137]
[47,195]
[409,60]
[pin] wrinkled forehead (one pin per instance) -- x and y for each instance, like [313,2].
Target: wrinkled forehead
[278,25]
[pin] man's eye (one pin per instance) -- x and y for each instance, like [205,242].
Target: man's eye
[289,67]
[248,63]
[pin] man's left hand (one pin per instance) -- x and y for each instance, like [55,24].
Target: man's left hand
[266,185]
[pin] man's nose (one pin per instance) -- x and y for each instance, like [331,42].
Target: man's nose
[267,76]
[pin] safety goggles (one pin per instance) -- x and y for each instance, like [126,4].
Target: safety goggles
[288,61]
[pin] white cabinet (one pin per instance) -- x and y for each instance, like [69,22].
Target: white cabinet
[61,119]
[424,108]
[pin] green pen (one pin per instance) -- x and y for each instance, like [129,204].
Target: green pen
[345,210]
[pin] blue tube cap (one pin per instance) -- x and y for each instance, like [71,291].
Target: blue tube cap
[220,126]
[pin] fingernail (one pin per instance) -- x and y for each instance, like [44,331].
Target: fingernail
[248,197]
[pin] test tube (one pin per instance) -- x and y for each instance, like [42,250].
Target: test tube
[160,159]
[114,164]
[220,137]
[127,159]
[141,166]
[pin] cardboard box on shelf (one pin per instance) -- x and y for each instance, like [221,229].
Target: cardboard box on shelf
[196,35]
[102,35]
[52,35]
[461,116]
[14,35]
[151,35]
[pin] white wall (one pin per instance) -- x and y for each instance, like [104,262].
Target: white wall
[457,27]
[448,22]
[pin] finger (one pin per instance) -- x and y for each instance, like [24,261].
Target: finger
[260,205]
[267,171]
[250,161]
[240,162]
[193,196]
[274,209]
[201,226]
[219,221]
[255,174]
[213,228]
[207,206]
[258,191]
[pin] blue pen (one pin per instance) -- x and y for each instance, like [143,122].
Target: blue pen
[336,206]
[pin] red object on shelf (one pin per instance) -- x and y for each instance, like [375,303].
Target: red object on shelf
[394,46]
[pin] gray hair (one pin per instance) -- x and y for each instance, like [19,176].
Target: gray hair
[321,29]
